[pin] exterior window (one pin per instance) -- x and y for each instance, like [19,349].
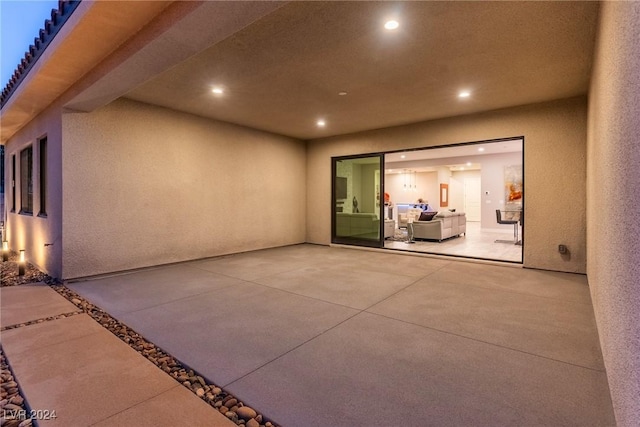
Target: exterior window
[1,169]
[13,183]
[43,177]
[26,181]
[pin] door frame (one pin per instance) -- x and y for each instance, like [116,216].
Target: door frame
[348,240]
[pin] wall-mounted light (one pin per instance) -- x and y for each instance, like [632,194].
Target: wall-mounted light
[21,263]
[5,251]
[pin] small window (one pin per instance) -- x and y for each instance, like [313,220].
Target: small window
[43,177]
[13,183]
[26,181]
[1,169]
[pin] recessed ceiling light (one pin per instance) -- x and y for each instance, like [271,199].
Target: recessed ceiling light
[321,123]
[343,93]
[391,25]
[402,156]
[461,168]
[464,94]
[217,90]
[481,149]
[468,163]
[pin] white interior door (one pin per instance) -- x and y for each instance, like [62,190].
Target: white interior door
[472,198]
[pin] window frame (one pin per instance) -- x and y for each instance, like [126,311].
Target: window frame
[26,180]
[42,178]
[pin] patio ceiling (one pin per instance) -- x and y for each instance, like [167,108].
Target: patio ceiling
[283,65]
[285,71]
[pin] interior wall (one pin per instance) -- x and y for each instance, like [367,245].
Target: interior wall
[30,231]
[555,171]
[493,183]
[367,194]
[614,184]
[426,188]
[146,185]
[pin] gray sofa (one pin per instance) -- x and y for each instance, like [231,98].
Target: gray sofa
[443,226]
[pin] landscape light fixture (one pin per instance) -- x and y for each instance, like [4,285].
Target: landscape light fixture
[5,251]
[21,263]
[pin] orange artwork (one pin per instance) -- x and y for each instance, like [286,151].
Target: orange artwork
[513,186]
[514,193]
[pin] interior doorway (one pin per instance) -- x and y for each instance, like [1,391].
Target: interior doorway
[472,198]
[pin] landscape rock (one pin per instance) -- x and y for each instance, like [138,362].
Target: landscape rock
[246,413]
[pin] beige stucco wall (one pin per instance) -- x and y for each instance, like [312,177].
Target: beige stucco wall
[146,185]
[32,232]
[555,171]
[613,186]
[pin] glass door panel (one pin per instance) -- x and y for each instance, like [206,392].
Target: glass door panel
[357,187]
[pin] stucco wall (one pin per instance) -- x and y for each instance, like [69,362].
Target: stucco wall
[555,171]
[31,232]
[146,185]
[614,186]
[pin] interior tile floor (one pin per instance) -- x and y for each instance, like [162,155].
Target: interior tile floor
[327,336]
[476,243]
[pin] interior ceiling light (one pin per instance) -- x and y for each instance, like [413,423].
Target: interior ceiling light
[391,25]
[481,149]
[464,94]
[402,156]
[321,123]
[343,93]
[217,90]
[468,163]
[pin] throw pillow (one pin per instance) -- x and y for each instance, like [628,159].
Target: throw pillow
[427,216]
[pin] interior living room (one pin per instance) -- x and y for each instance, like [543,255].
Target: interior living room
[165,139]
[473,180]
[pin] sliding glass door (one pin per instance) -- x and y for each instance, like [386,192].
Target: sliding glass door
[357,202]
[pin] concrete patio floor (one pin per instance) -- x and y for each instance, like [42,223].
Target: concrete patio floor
[318,336]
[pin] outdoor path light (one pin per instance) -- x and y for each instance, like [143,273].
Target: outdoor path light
[21,263]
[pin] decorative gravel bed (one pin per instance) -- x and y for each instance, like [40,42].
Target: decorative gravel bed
[221,400]
[9,273]
[12,404]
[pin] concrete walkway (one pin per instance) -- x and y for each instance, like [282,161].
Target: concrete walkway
[318,336]
[75,368]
